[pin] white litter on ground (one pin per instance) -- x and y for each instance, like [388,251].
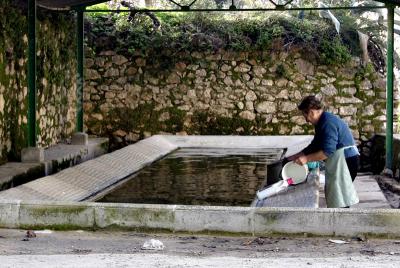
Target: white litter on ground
[44,232]
[153,244]
[338,241]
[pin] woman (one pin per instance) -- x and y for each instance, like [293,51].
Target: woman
[333,143]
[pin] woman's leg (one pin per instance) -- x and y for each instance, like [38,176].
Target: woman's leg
[352,164]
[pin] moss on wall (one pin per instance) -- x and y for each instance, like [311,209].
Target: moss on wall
[208,123]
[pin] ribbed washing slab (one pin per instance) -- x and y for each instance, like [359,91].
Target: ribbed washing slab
[81,181]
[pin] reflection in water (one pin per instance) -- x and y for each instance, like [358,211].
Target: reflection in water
[199,176]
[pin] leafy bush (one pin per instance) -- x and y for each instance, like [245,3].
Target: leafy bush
[211,32]
[102,6]
[333,52]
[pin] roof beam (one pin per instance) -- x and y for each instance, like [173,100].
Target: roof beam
[67,4]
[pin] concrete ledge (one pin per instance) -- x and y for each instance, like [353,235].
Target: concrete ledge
[62,156]
[15,173]
[214,219]
[134,216]
[293,143]
[32,155]
[286,220]
[201,219]
[56,216]
[9,216]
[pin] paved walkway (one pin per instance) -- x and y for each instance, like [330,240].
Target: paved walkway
[123,249]
[368,190]
[164,261]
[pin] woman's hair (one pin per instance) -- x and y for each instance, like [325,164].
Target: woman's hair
[310,102]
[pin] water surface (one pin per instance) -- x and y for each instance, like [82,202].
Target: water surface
[199,176]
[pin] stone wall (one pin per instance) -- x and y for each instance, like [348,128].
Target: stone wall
[56,65]
[130,97]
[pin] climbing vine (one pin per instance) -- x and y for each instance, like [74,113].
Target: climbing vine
[55,76]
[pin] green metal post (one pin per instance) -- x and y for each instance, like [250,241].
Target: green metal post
[32,73]
[80,81]
[389,87]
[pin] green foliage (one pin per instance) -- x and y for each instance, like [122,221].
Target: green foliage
[13,22]
[281,71]
[176,119]
[334,52]
[102,6]
[363,73]
[56,50]
[211,32]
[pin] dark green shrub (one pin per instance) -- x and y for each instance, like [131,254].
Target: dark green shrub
[334,52]
[210,32]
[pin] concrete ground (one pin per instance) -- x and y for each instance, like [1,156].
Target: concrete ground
[123,249]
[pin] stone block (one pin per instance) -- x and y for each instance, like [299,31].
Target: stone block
[32,154]
[80,138]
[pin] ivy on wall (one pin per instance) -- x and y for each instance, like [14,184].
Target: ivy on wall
[55,77]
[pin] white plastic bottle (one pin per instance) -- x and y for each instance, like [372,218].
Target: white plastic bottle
[274,189]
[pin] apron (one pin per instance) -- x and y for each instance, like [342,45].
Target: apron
[339,188]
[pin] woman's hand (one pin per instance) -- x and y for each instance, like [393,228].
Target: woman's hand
[301,160]
[295,156]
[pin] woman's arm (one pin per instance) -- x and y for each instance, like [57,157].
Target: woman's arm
[295,156]
[317,156]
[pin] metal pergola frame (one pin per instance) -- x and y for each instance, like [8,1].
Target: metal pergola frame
[80,8]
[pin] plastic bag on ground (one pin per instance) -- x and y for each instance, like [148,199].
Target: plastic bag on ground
[153,244]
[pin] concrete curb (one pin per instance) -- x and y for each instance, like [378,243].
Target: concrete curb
[201,219]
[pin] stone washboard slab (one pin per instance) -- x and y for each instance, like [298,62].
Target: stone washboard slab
[304,195]
[84,180]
